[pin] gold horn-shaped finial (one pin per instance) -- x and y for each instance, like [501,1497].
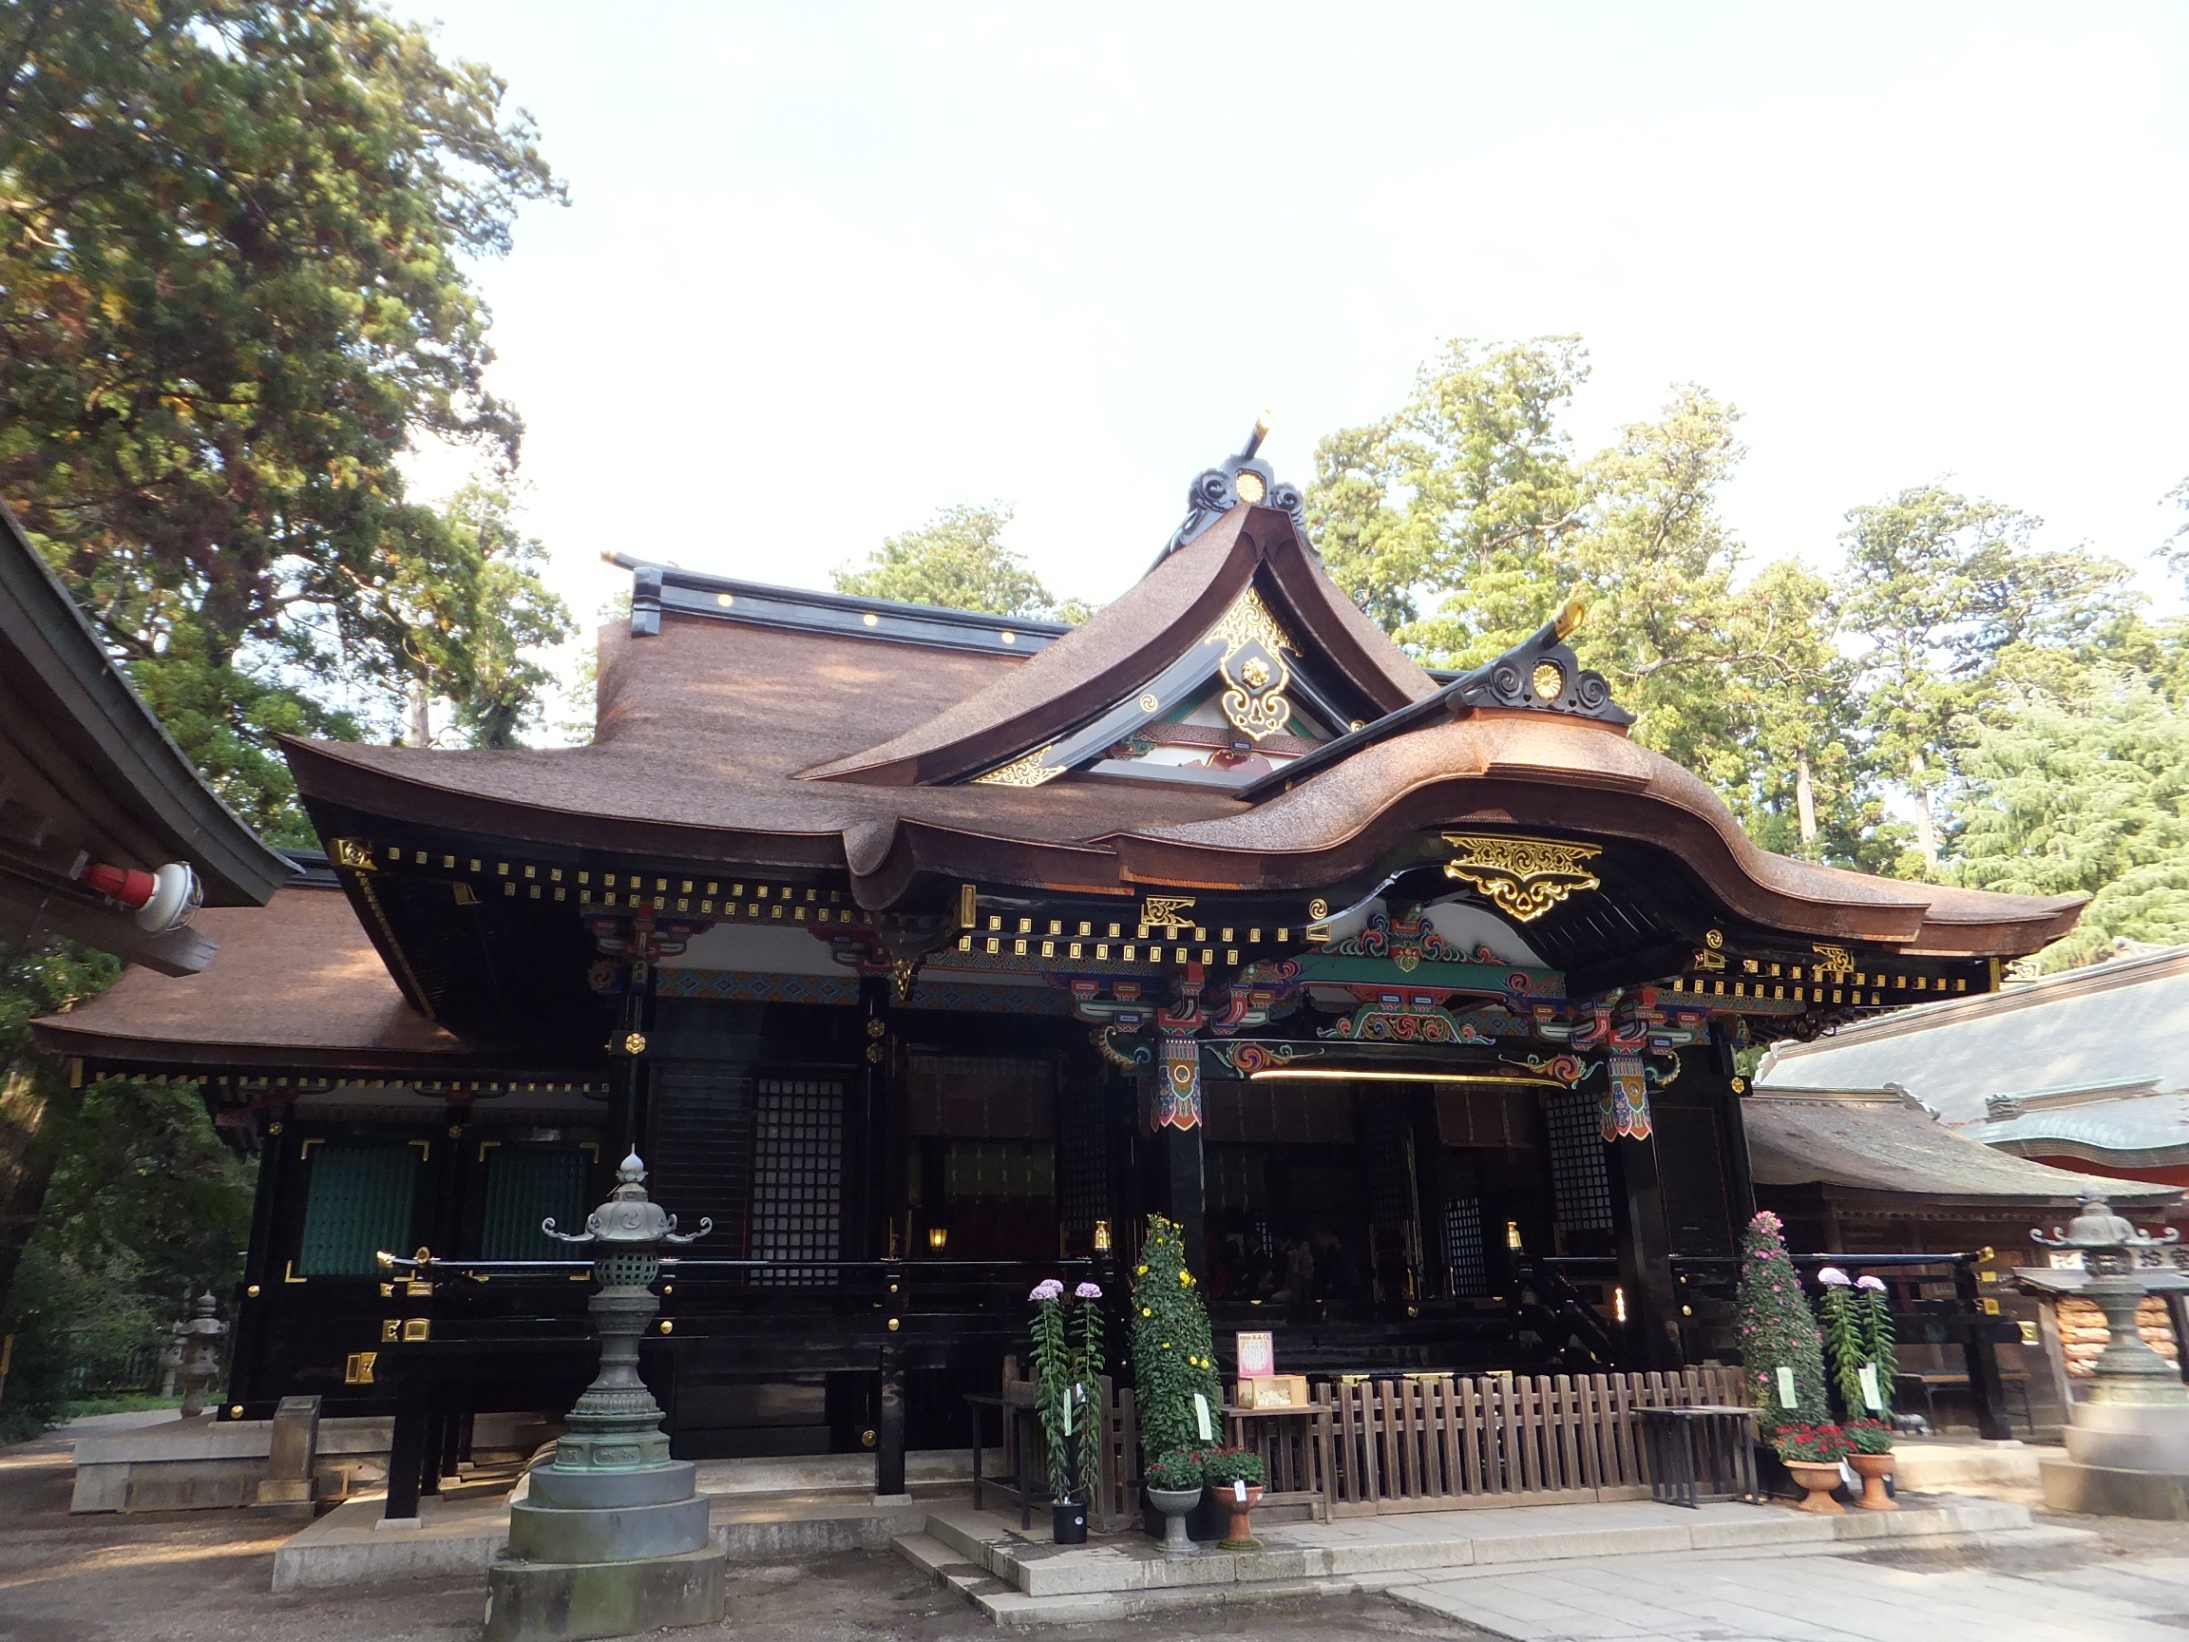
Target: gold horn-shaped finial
[1261,432]
[1570,616]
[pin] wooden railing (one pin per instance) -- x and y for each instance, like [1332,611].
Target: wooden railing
[1431,1442]
[1438,1442]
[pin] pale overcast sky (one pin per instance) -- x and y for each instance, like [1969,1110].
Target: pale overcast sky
[828,267]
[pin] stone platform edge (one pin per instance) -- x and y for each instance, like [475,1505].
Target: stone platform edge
[1015,1581]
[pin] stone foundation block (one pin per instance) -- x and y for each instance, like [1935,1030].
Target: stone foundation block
[2101,1491]
[564,1602]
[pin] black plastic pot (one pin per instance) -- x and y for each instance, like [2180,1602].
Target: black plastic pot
[1068,1522]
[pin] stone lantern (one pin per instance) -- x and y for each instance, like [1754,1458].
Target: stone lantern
[613,1538]
[198,1341]
[2128,1436]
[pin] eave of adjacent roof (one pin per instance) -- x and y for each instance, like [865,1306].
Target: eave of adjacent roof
[145,785]
[296,987]
[1878,1143]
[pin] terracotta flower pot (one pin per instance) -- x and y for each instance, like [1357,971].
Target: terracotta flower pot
[1240,1535]
[1873,1469]
[1819,1480]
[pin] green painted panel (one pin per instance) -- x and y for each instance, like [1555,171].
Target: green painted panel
[525,1185]
[358,1203]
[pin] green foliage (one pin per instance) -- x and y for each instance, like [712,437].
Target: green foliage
[1174,1356]
[1868,1436]
[231,238]
[1938,587]
[1465,519]
[1177,1470]
[1845,1336]
[1878,1343]
[462,617]
[2084,789]
[957,560]
[1068,1375]
[145,1208]
[1221,1467]
[1777,1330]
[1090,1368]
[136,1201]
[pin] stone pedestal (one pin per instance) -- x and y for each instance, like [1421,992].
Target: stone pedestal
[612,1538]
[2128,1439]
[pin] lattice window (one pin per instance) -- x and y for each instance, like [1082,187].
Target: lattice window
[1463,1258]
[702,1154]
[1083,1161]
[357,1204]
[1387,1142]
[798,1175]
[525,1184]
[1580,1181]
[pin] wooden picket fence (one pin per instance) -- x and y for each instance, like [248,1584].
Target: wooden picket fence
[1434,1442]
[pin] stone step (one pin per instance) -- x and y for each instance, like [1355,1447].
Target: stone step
[1019,1580]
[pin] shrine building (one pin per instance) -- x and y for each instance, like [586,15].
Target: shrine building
[920,950]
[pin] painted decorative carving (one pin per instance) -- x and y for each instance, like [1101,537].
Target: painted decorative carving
[1625,1101]
[1028,771]
[1526,877]
[1178,1096]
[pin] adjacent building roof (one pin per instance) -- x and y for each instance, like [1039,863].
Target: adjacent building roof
[295,988]
[87,771]
[1880,1141]
[2088,1063]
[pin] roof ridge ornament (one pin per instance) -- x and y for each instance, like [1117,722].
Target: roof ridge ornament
[1241,478]
[1539,674]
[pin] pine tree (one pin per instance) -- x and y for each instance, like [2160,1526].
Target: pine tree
[1173,1354]
[1778,1331]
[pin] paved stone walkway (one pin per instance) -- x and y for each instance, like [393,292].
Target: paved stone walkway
[1816,1598]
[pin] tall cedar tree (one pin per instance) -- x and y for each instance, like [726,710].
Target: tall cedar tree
[1464,519]
[1778,1330]
[232,292]
[957,560]
[1174,1355]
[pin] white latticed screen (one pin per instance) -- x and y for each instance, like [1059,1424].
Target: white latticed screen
[798,1186]
[1463,1257]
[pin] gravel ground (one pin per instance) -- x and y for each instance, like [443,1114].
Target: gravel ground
[203,1576]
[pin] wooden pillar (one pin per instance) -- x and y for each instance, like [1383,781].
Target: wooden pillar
[1726,1091]
[889,1396]
[636,1026]
[1645,1254]
[874,1165]
[1177,1185]
[1986,1390]
[1187,1189]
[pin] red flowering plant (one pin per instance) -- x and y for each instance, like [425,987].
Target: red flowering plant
[1221,1467]
[1869,1436]
[1812,1444]
[1176,1471]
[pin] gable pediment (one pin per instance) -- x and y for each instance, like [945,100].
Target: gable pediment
[1241,612]
[1239,704]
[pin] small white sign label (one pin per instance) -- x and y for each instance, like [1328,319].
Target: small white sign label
[1239,1490]
[1870,1397]
[1788,1396]
[1201,1417]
